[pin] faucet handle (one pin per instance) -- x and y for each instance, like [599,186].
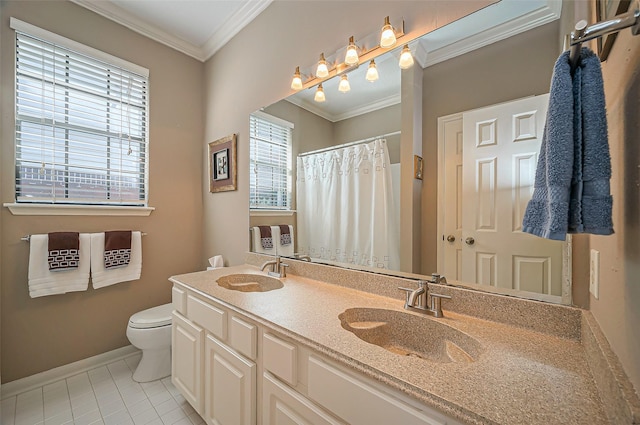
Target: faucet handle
[283,269]
[436,304]
[408,293]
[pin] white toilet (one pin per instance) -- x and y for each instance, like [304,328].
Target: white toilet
[150,331]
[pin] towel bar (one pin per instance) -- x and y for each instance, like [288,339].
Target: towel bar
[584,33]
[27,238]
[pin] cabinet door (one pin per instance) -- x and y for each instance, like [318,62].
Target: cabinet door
[358,403]
[186,361]
[283,406]
[230,386]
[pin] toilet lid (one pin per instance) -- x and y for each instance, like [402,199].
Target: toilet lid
[152,318]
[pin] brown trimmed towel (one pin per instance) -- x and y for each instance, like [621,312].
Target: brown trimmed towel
[117,249]
[63,251]
[285,235]
[266,240]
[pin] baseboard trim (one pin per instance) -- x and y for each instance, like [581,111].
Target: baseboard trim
[47,377]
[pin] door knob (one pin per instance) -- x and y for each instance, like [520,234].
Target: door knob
[451,238]
[469,241]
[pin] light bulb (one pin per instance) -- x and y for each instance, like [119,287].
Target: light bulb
[319,97]
[388,37]
[351,57]
[296,82]
[372,72]
[406,58]
[322,70]
[344,84]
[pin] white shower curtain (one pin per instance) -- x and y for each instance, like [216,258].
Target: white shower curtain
[346,208]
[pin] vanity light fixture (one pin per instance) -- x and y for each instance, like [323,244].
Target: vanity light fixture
[319,97]
[388,36]
[344,84]
[406,58]
[296,82]
[322,70]
[372,72]
[351,57]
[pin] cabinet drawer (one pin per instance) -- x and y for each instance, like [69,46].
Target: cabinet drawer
[357,402]
[244,337]
[279,357]
[209,317]
[179,300]
[282,405]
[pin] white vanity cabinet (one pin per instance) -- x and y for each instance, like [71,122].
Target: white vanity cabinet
[234,372]
[213,360]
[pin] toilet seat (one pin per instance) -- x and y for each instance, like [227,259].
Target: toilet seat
[154,317]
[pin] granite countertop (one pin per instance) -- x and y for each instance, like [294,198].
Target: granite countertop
[520,377]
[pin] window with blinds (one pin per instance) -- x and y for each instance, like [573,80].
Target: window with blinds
[270,163]
[81,125]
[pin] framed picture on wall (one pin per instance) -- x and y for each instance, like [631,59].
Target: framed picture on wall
[222,164]
[605,10]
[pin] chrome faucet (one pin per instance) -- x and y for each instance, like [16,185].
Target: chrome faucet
[278,268]
[421,300]
[436,278]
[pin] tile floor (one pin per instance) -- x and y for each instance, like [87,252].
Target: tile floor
[104,395]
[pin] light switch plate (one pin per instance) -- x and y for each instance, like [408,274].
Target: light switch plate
[594,273]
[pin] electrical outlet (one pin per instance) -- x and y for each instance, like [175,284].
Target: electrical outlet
[594,273]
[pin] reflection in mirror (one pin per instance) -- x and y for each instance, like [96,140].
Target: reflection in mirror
[368,120]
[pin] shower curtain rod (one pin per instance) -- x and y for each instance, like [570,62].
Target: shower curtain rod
[345,145]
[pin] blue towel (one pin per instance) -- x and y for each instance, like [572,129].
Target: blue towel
[571,190]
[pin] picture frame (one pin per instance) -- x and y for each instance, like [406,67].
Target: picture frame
[222,162]
[605,10]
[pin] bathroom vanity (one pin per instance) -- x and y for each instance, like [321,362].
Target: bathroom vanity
[310,352]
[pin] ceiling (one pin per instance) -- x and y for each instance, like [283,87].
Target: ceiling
[198,28]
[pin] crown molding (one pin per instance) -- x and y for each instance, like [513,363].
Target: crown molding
[370,107]
[218,39]
[233,25]
[546,14]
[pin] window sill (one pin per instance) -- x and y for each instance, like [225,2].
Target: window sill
[271,213]
[87,210]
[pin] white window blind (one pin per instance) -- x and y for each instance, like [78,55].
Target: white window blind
[81,125]
[270,163]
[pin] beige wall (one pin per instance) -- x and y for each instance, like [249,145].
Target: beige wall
[42,333]
[618,308]
[255,67]
[510,69]
[371,124]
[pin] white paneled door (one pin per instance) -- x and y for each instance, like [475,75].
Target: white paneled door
[490,164]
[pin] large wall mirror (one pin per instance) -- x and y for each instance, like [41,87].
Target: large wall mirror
[351,161]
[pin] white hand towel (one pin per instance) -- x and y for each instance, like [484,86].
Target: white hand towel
[44,282]
[285,250]
[257,245]
[101,277]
